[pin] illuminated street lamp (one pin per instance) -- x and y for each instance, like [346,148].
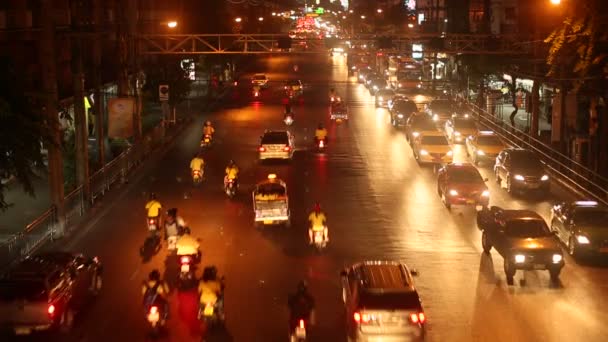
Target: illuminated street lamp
[556,2]
[410,25]
[238,19]
[172,24]
[362,17]
[379,10]
[274,14]
[261,18]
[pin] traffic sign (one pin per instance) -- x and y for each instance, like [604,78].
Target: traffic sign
[163,92]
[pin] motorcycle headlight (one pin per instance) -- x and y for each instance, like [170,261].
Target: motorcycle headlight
[544,178]
[400,116]
[519,177]
[375,87]
[480,153]
[380,98]
[485,193]
[583,240]
[557,258]
[453,192]
[424,153]
[520,258]
[450,153]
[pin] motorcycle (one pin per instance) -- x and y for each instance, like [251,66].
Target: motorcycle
[155,317]
[230,187]
[288,119]
[206,141]
[212,312]
[197,176]
[256,94]
[320,144]
[318,239]
[152,243]
[186,271]
[291,94]
[299,333]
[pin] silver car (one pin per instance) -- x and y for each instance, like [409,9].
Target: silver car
[276,145]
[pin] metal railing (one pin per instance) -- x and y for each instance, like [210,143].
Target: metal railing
[569,172]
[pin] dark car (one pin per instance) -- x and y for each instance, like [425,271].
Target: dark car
[44,292]
[582,226]
[523,239]
[440,110]
[382,97]
[461,183]
[520,169]
[418,124]
[400,110]
[381,302]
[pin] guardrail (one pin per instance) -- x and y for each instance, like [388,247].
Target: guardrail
[568,171]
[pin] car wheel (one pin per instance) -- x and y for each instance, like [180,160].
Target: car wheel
[572,250]
[509,271]
[66,322]
[485,243]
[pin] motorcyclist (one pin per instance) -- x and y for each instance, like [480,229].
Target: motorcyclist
[197,163]
[256,89]
[317,221]
[208,128]
[187,245]
[153,207]
[301,306]
[320,133]
[154,291]
[211,290]
[232,173]
[174,225]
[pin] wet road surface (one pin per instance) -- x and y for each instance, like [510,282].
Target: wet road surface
[380,205]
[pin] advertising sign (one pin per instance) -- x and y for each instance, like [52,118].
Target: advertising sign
[120,117]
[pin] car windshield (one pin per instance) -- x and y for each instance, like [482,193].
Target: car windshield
[527,228]
[259,77]
[464,123]
[272,138]
[434,140]
[388,300]
[405,106]
[22,289]
[442,105]
[592,217]
[489,140]
[526,160]
[465,175]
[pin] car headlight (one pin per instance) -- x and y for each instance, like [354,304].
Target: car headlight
[400,116]
[457,133]
[415,134]
[557,258]
[360,77]
[424,152]
[435,117]
[544,178]
[453,193]
[520,258]
[380,99]
[419,85]
[480,153]
[519,177]
[353,68]
[375,87]
[583,240]
[485,193]
[450,153]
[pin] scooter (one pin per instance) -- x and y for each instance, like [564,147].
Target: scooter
[299,333]
[156,317]
[320,144]
[288,119]
[152,243]
[186,271]
[206,141]
[318,239]
[197,177]
[230,187]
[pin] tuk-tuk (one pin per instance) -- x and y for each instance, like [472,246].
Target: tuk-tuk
[270,202]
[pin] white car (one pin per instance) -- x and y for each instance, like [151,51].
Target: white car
[276,145]
[260,79]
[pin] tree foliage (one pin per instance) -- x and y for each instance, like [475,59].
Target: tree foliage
[22,130]
[579,47]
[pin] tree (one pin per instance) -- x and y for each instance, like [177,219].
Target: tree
[22,130]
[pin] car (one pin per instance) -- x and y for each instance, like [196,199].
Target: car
[459,128]
[376,84]
[417,125]
[432,148]
[400,111]
[520,169]
[523,239]
[260,80]
[362,74]
[382,303]
[582,226]
[485,146]
[295,85]
[440,110]
[461,183]
[44,292]
[276,145]
[382,97]
[370,77]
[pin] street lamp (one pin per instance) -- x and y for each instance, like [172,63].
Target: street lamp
[410,25]
[379,10]
[238,19]
[172,24]
[274,14]
[362,17]
[556,2]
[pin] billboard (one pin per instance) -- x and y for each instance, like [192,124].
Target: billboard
[120,117]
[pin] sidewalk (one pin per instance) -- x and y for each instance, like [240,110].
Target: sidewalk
[26,208]
[522,119]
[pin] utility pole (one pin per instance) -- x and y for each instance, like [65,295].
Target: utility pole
[49,85]
[134,67]
[97,105]
[80,115]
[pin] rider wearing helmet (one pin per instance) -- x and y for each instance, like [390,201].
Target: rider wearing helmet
[320,133]
[197,163]
[301,306]
[174,225]
[211,290]
[232,172]
[155,291]
[208,129]
[153,207]
[317,221]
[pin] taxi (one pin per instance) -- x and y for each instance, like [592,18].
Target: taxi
[432,148]
[295,85]
[458,128]
[417,125]
[461,184]
[276,145]
[485,146]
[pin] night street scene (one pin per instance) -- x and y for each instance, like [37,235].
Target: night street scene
[304,170]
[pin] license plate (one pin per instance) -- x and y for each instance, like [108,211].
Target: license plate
[208,310]
[23,331]
[604,250]
[153,317]
[470,201]
[186,268]
[152,227]
[300,332]
[267,221]
[539,266]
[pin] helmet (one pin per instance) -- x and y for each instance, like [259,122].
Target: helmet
[154,275]
[152,196]
[207,123]
[320,126]
[317,207]
[210,273]
[302,287]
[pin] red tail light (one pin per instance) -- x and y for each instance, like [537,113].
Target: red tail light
[286,148]
[418,318]
[261,149]
[361,318]
[51,309]
[151,221]
[302,324]
[185,260]
[154,310]
[197,172]
[321,143]
[256,94]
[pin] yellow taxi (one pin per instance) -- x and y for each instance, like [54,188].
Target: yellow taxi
[484,146]
[432,148]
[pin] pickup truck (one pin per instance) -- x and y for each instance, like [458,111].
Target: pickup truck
[523,239]
[45,291]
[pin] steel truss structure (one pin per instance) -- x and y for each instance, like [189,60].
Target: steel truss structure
[200,44]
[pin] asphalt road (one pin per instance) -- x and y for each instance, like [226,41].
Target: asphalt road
[380,205]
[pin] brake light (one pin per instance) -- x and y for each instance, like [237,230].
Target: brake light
[361,318]
[51,309]
[321,143]
[151,221]
[154,310]
[286,148]
[418,318]
[185,260]
[261,149]
[302,324]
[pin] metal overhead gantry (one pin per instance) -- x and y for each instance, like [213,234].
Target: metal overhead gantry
[201,44]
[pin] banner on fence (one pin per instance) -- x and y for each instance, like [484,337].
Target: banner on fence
[120,117]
